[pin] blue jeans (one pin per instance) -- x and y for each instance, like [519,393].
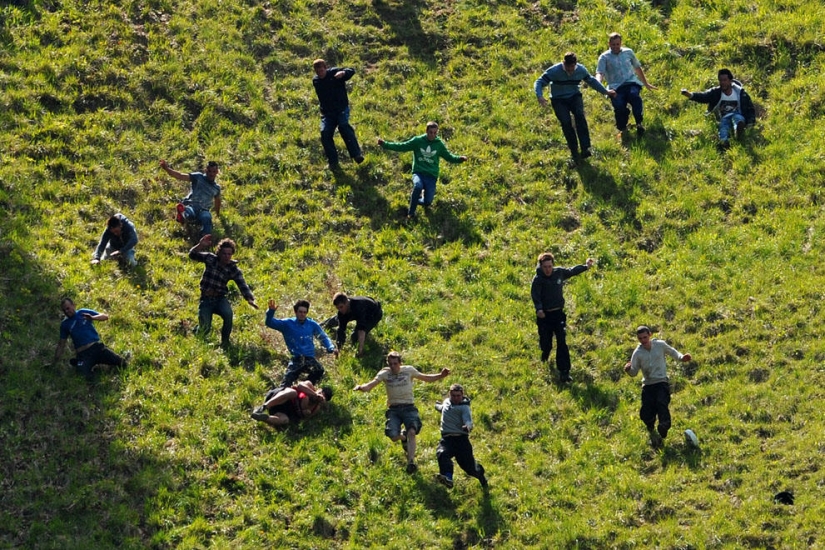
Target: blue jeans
[627,93]
[421,182]
[727,124]
[340,121]
[204,218]
[564,108]
[127,256]
[215,306]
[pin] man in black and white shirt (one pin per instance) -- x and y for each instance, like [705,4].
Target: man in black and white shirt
[731,102]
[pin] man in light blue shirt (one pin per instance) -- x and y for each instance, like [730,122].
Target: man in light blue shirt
[625,75]
[564,80]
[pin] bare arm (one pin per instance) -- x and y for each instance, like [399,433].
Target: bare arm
[368,386]
[174,173]
[218,205]
[641,74]
[433,377]
[98,317]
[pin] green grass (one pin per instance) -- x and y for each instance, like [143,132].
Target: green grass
[719,253]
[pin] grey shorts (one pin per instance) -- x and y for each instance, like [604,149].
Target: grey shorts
[403,414]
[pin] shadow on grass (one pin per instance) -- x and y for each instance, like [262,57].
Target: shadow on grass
[447,224]
[590,396]
[67,478]
[404,18]
[366,199]
[656,142]
[603,186]
[679,453]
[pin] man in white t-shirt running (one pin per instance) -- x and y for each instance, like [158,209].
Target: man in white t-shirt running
[398,378]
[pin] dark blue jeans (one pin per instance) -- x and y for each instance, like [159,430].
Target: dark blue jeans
[98,354]
[459,447]
[328,125]
[568,110]
[627,94]
[204,217]
[215,306]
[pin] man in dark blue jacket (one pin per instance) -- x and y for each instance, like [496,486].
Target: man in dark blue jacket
[730,102]
[548,300]
[331,88]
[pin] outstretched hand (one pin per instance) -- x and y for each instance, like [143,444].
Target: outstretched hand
[686,357]
[272,305]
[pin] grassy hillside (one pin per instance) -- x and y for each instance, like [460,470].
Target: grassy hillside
[718,252]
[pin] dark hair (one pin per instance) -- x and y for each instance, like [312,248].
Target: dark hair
[544,256]
[66,299]
[212,164]
[570,58]
[339,298]
[300,303]
[227,243]
[432,124]
[725,72]
[642,329]
[327,391]
[113,222]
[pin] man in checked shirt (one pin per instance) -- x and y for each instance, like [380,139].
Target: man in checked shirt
[220,269]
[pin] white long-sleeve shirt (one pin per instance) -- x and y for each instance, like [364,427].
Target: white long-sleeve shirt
[652,362]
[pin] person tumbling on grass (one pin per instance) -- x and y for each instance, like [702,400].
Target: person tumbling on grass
[456,423]
[219,269]
[299,334]
[204,190]
[89,350]
[117,242]
[730,102]
[366,312]
[548,300]
[649,357]
[427,149]
[284,405]
[397,379]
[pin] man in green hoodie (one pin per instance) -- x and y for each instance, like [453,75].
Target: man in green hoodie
[427,150]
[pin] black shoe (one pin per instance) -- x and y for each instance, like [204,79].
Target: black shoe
[564,377]
[640,130]
[445,481]
[481,477]
[587,153]
[330,323]
[740,130]
[411,468]
[359,159]
[545,356]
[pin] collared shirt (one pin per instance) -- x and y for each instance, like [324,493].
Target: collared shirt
[81,330]
[215,276]
[299,337]
[619,69]
[652,362]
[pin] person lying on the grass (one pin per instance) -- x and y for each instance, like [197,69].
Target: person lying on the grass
[284,405]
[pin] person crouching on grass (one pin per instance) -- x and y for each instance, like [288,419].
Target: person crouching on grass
[649,357]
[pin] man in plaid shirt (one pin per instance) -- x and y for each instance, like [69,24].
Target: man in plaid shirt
[220,269]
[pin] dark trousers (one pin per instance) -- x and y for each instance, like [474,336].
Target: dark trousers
[299,365]
[328,125]
[98,354]
[627,94]
[554,323]
[568,110]
[460,448]
[655,401]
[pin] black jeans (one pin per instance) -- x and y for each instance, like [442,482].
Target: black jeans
[567,111]
[554,323]
[655,401]
[458,446]
[303,365]
[98,354]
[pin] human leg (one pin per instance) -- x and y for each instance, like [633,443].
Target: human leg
[348,134]
[282,395]
[129,257]
[206,308]
[647,412]
[583,132]
[726,126]
[620,110]
[444,454]
[545,337]
[315,370]
[293,370]
[634,97]
[558,324]
[205,219]
[224,310]
[415,197]
[328,125]
[429,189]
[561,108]
[662,408]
